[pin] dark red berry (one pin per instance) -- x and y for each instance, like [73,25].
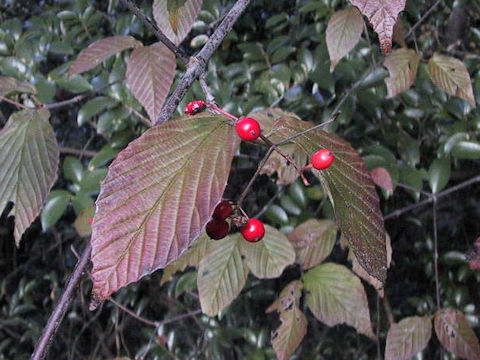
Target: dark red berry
[217,229]
[322,159]
[248,129]
[253,231]
[195,106]
[223,210]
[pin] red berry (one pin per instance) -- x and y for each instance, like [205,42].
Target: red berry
[217,229]
[223,210]
[90,221]
[248,129]
[253,231]
[195,106]
[322,159]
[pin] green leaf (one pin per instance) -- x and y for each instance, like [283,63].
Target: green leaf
[408,148]
[221,275]
[402,64]
[10,85]
[150,73]
[451,75]
[93,107]
[268,258]
[344,31]
[91,180]
[335,296]
[456,335]
[72,169]
[81,201]
[55,206]
[186,282]
[466,150]
[191,257]
[99,51]
[313,241]
[439,174]
[408,337]
[348,184]
[29,159]
[276,215]
[75,84]
[106,154]
[176,17]
[158,195]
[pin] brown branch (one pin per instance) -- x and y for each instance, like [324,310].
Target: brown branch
[154,29]
[61,307]
[197,65]
[131,313]
[69,150]
[422,19]
[388,310]
[13,102]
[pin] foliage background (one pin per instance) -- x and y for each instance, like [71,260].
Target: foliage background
[275,55]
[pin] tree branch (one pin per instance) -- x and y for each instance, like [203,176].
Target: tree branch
[61,307]
[197,65]
[422,19]
[80,152]
[154,29]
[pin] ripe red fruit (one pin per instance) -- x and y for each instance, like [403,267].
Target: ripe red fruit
[253,231]
[223,210]
[195,106]
[90,221]
[248,129]
[217,229]
[322,159]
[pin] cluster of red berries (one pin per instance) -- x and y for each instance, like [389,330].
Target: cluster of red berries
[217,228]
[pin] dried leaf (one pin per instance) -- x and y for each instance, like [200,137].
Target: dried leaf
[191,257]
[221,275]
[348,183]
[335,296]
[344,31]
[289,297]
[150,73]
[268,258]
[456,335]
[382,178]
[9,84]
[176,17]
[157,197]
[408,337]
[313,241]
[402,65]
[100,51]
[286,172]
[383,16]
[29,159]
[451,75]
[399,33]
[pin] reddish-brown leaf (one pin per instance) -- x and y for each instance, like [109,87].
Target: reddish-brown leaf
[150,73]
[408,337]
[9,84]
[99,51]
[176,17]
[382,178]
[344,31]
[348,184]
[402,65]
[157,197]
[456,335]
[383,15]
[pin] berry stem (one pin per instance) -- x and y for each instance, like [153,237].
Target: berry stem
[214,107]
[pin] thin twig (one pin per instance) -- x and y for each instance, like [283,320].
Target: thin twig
[422,19]
[197,65]
[80,152]
[440,195]
[270,202]
[206,90]
[388,310]
[13,102]
[61,307]
[435,252]
[154,29]
[131,313]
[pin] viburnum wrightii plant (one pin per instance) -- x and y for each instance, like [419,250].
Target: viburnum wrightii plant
[161,204]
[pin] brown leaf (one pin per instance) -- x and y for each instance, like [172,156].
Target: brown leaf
[99,51]
[382,178]
[451,75]
[29,157]
[289,297]
[313,241]
[157,197]
[402,65]
[408,337]
[456,335]
[399,33]
[176,17]
[344,31]
[9,84]
[286,172]
[383,16]
[150,73]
